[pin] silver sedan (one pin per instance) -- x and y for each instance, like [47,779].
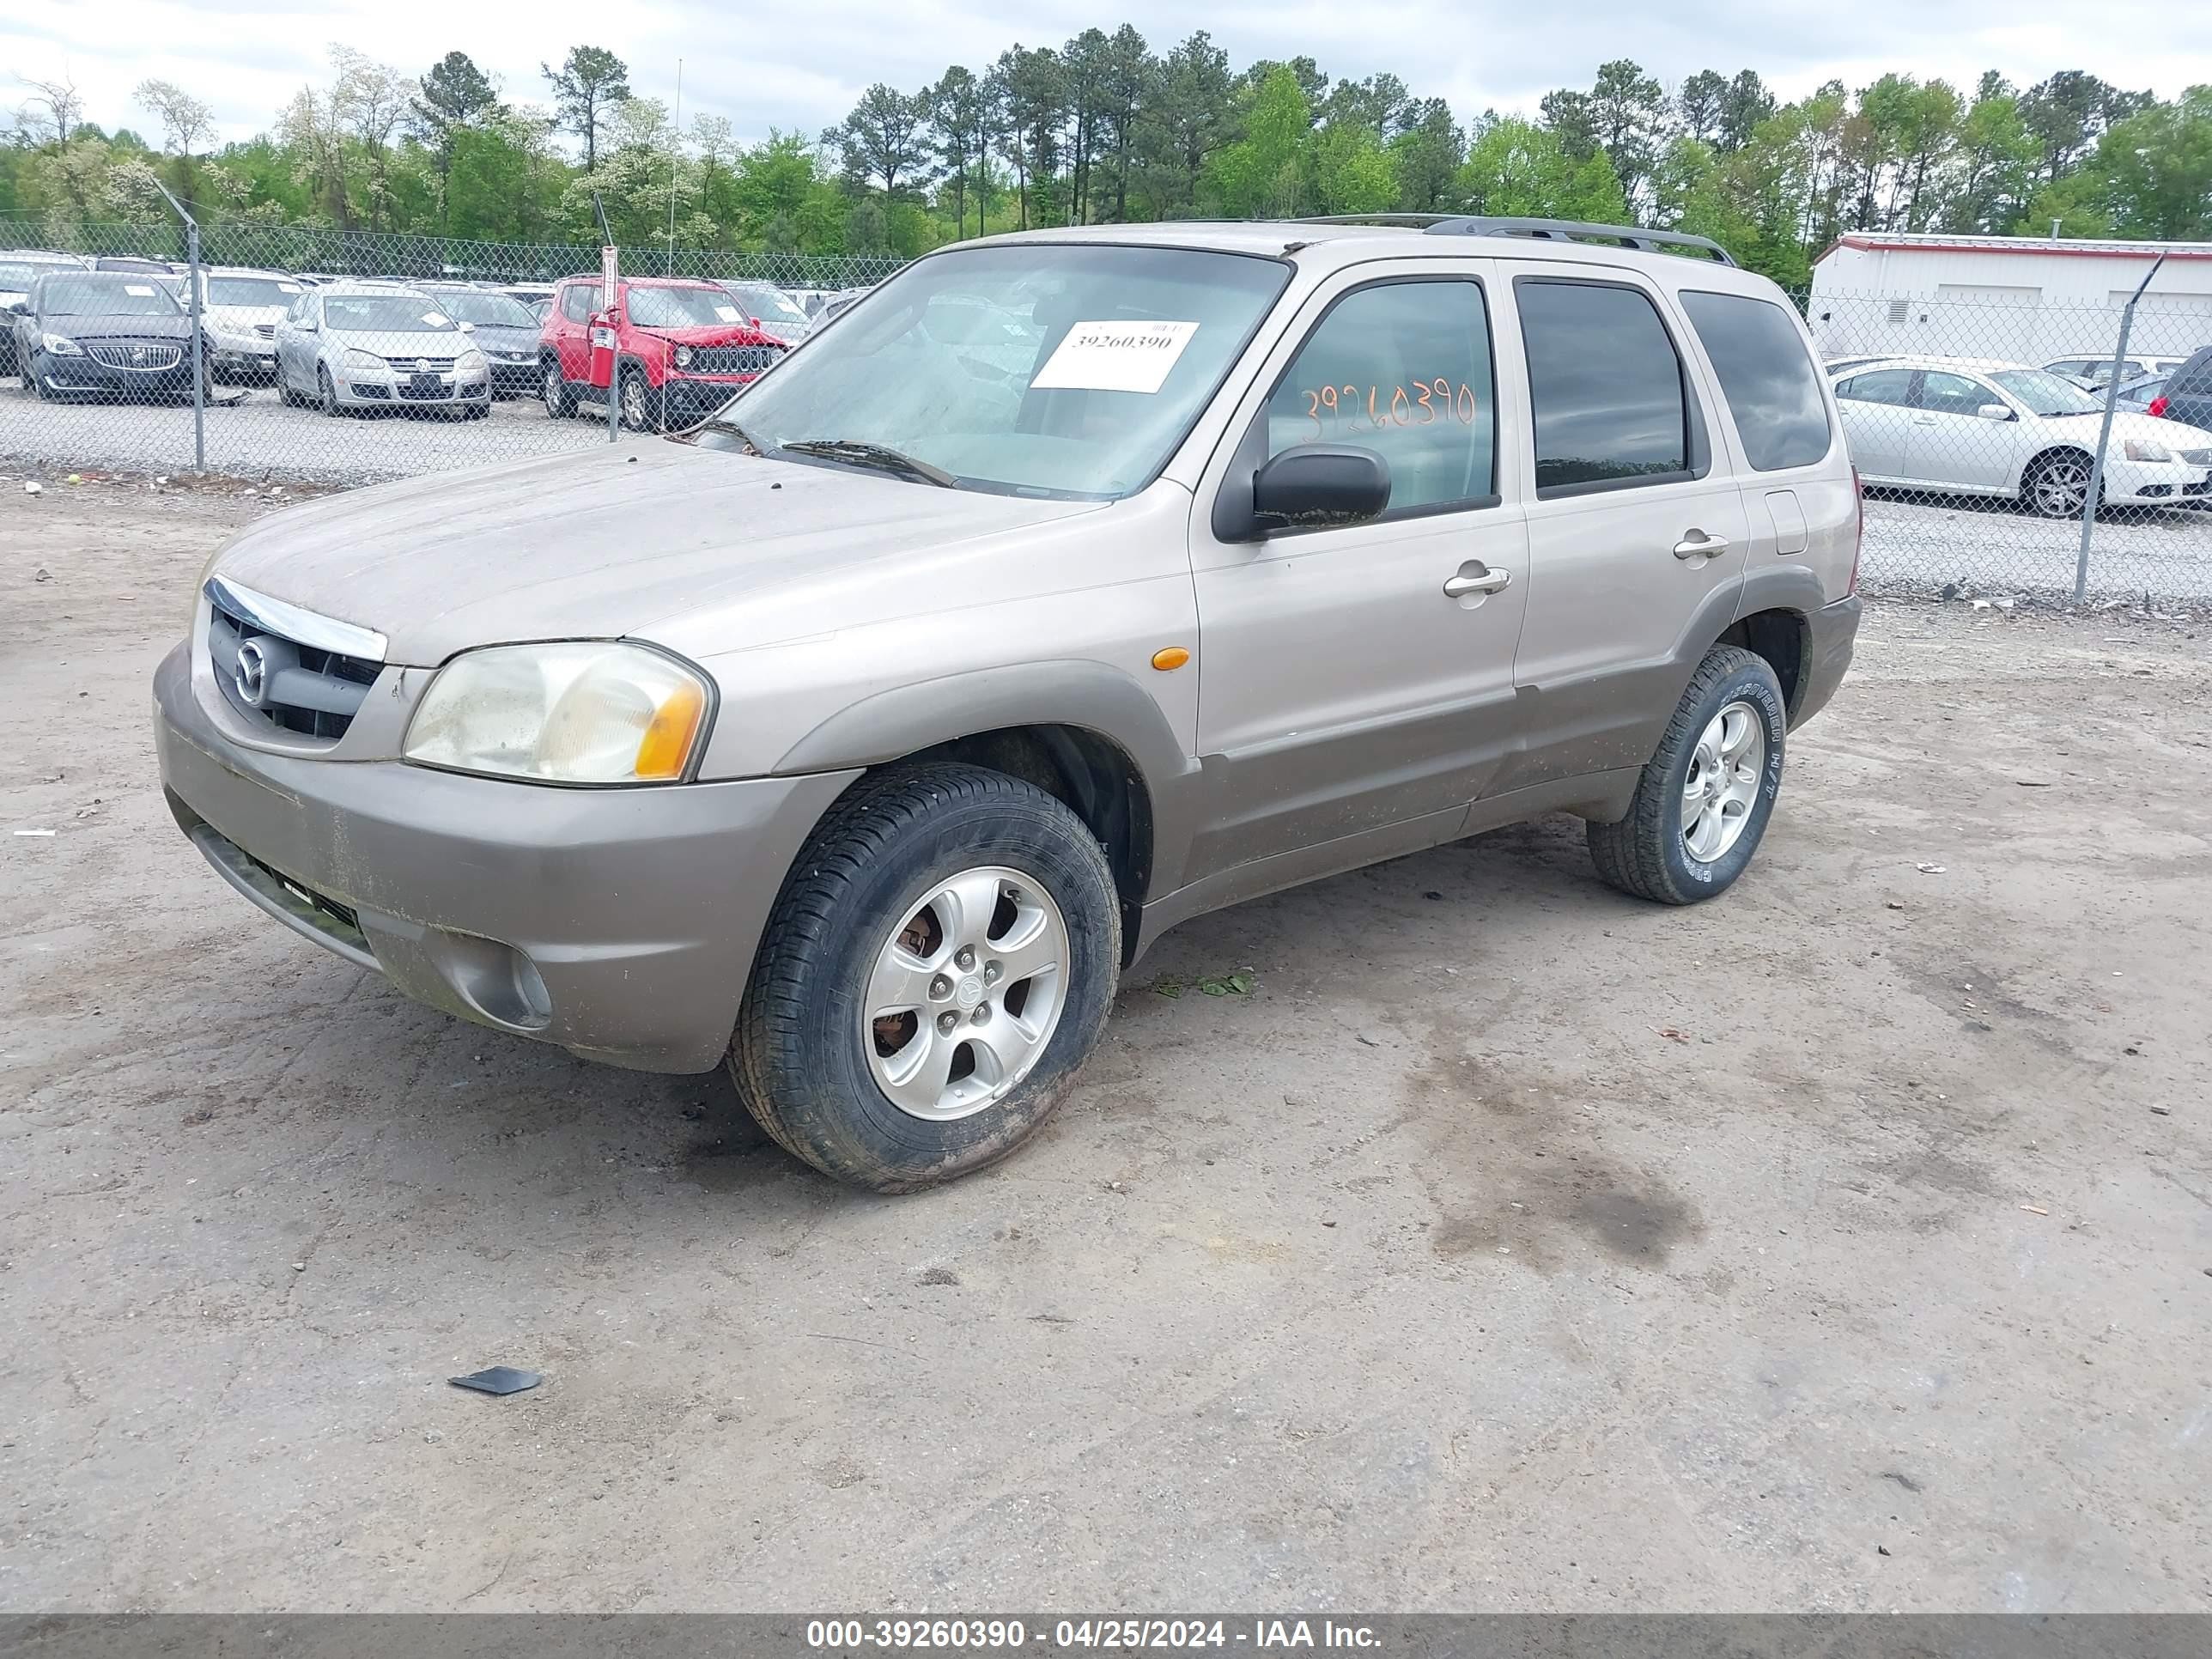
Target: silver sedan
[352,347]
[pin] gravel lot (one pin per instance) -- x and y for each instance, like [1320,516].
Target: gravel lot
[1991,546]
[1844,1244]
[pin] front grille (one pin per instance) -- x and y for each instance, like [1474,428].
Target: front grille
[313,692]
[151,359]
[266,330]
[420,365]
[732,360]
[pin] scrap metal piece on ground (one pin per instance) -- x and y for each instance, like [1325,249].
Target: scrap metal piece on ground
[498,1379]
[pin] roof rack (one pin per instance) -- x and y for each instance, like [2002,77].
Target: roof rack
[1563,230]
[1553,230]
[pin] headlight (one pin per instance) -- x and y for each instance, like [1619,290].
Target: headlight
[2140,449]
[367,360]
[59,345]
[585,712]
[684,356]
[469,359]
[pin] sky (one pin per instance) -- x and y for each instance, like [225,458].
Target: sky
[800,67]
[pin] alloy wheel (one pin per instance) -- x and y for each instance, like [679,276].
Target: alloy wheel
[966,993]
[1722,781]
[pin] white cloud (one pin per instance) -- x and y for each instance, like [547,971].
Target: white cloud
[800,66]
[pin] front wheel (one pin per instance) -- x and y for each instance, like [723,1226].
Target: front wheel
[1705,795]
[2057,486]
[938,966]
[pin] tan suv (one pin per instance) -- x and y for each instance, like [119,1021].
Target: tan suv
[1073,584]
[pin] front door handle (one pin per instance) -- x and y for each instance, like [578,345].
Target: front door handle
[1474,578]
[1698,546]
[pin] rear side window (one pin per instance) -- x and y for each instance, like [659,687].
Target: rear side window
[1765,375]
[1883,385]
[578,302]
[1401,369]
[1611,410]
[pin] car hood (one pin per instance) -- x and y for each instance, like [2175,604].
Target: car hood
[499,337]
[123,325]
[711,334]
[610,542]
[237,318]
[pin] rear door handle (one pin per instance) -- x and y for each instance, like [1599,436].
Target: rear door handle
[1923,420]
[1698,546]
[1477,578]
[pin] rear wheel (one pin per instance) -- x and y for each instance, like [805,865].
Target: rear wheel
[1705,795]
[938,966]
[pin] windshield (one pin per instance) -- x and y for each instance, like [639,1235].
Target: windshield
[2045,393]
[270,293]
[1068,371]
[483,308]
[103,296]
[682,307]
[386,313]
[770,305]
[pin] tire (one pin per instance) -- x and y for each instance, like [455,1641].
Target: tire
[810,1065]
[285,395]
[644,405]
[2057,486]
[560,397]
[329,392]
[1650,853]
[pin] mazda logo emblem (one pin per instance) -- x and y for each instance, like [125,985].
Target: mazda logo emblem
[252,672]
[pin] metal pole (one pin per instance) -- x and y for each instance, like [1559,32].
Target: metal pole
[675,150]
[607,307]
[199,362]
[2105,433]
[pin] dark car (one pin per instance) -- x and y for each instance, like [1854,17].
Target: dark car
[2188,393]
[96,333]
[502,328]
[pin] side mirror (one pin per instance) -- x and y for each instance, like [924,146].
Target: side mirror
[1310,486]
[467,327]
[1994,412]
[19,307]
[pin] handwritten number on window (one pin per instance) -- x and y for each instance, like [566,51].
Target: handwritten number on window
[1389,406]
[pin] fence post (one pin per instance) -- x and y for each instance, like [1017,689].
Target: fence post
[2105,434]
[199,362]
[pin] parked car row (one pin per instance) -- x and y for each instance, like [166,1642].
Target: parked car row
[1972,427]
[669,349]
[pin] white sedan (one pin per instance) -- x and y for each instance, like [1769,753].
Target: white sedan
[1953,427]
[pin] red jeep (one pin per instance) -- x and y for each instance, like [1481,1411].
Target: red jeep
[675,350]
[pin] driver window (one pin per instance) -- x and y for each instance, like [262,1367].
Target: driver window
[1953,394]
[1403,369]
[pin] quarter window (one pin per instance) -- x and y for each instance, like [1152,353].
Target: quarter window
[1403,369]
[1605,383]
[1765,375]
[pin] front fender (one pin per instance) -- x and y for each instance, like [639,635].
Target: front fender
[1092,697]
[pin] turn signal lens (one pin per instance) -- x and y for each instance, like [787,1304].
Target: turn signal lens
[666,747]
[1168,657]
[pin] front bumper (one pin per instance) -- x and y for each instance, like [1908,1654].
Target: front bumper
[2151,483]
[365,389]
[243,360]
[691,397]
[1834,630]
[520,377]
[71,377]
[620,924]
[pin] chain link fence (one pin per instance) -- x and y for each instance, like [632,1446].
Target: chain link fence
[1979,424]
[341,357]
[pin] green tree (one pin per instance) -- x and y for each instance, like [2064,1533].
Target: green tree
[2156,169]
[1427,156]
[1516,169]
[590,82]
[453,95]
[1263,174]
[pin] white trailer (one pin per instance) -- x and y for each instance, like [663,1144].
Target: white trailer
[2020,299]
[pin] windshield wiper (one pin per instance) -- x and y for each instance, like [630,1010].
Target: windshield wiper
[880,456]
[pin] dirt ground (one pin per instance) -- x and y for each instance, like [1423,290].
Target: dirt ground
[1843,1244]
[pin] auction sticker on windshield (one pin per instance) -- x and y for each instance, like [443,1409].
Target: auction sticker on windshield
[1115,356]
[142,291]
